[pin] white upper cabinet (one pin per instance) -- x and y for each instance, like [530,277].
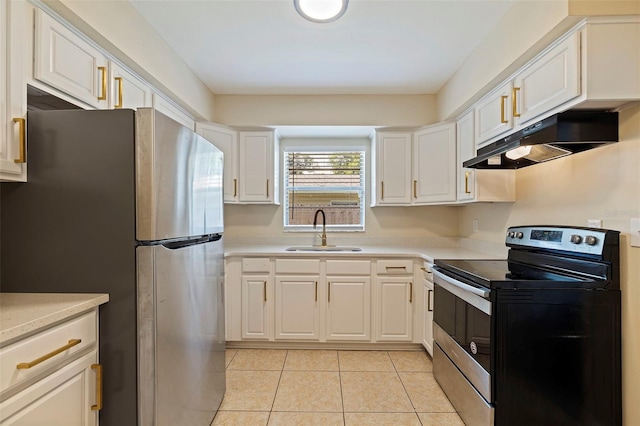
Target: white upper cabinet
[475,184]
[550,81]
[258,171]
[226,139]
[171,110]
[390,183]
[126,90]
[13,95]
[434,164]
[67,62]
[494,114]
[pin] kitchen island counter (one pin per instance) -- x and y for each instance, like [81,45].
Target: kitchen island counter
[22,314]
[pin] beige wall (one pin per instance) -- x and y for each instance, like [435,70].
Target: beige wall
[604,7]
[120,29]
[376,110]
[603,183]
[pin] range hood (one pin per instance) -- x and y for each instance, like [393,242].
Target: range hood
[554,137]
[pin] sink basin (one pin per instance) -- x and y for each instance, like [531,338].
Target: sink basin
[323,248]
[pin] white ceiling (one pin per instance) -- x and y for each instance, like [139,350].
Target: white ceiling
[377,47]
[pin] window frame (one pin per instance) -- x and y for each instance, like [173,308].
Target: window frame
[325,145]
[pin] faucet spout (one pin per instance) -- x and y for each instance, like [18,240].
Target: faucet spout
[324,224]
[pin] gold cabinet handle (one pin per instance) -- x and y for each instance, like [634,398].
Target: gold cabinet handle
[98,369]
[466,182]
[23,141]
[119,104]
[316,291]
[382,190]
[502,109]
[267,188]
[514,101]
[103,70]
[28,365]
[415,189]
[235,187]
[410,292]
[265,291]
[429,308]
[329,292]
[392,268]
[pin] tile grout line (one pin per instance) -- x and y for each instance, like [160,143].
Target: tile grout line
[415,411]
[277,387]
[344,419]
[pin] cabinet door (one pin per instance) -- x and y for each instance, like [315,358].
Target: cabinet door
[127,91]
[256,159]
[395,309]
[66,61]
[64,398]
[256,307]
[348,308]
[297,312]
[494,114]
[393,169]
[227,141]
[13,90]
[427,339]
[434,164]
[466,151]
[169,109]
[549,81]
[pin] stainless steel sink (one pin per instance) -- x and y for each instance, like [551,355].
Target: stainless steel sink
[323,248]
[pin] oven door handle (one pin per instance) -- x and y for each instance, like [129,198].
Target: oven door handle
[466,287]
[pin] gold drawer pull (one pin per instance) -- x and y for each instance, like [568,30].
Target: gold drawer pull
[23,141]
[503,119]
[98,369]
[103,72]
[119,104]
[235,187]
[466,182]
[27,365]
[395,267]
[514,101]
[410,292]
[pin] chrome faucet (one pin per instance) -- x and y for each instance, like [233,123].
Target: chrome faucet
[324,224]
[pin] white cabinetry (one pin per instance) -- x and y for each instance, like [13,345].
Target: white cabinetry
[394,300]
[348,300]
[126,90]
[226,139]
[257,303]
[427,306]
[13,101]
[434,164]
[53,377]
[493,115]
[171,110]
[67,62]
[258,168]
[297,311]
[477,184]
[392,164]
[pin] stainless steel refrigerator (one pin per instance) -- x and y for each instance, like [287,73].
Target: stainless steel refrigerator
[128,203]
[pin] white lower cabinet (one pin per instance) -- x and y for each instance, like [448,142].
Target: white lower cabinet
[395,309]
[348,308]
[297,313]
[257,317]
[53,377]
[427,308]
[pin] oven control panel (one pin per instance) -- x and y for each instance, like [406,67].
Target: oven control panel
[577,240]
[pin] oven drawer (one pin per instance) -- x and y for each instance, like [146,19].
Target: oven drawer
[469,404]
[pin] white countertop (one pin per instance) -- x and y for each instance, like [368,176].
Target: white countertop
[23,313]
[426,253]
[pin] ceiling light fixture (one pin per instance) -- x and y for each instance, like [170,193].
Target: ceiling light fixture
[321,11]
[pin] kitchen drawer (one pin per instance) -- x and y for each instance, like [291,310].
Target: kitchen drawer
[348,267]
[297,266]
[427,271]
[394,267]
[258,264]
[45,342]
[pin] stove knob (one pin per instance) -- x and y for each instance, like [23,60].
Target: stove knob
[511,234]
[590,240]
[576,239]
[519,235]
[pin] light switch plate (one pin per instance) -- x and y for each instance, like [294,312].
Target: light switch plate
[594,223]
[475,225]
[635,232]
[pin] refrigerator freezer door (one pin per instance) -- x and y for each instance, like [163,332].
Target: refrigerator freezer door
[179,180]
[181,334]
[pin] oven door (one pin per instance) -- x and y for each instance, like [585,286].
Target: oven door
[462,331]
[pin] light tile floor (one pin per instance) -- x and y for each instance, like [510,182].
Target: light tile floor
[324,387]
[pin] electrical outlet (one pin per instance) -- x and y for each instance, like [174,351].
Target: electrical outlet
[635,232]
[475,225]
[594,223]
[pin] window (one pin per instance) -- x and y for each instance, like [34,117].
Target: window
[329,180]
